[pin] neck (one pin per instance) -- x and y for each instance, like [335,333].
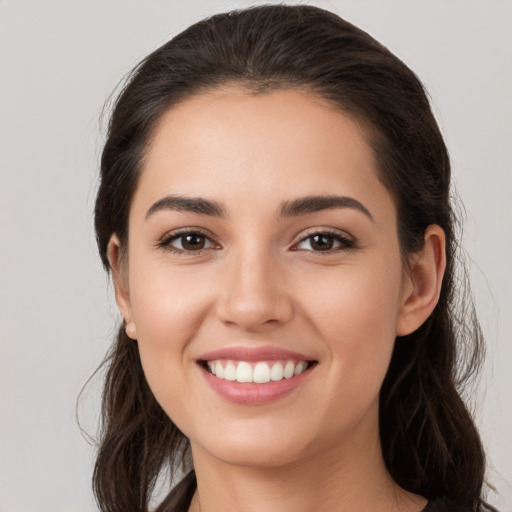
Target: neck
[352,477]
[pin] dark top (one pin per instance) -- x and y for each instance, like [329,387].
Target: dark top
[180,497]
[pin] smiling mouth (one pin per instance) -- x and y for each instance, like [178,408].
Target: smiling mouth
[257,372]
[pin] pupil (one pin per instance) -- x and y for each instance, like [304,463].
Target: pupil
[193,242]
[322,242]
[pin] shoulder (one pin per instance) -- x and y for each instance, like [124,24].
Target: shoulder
[445,505]
[180,497]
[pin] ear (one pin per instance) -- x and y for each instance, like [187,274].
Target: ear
[422,284]
[120,279]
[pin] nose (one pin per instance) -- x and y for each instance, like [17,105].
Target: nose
[254,295]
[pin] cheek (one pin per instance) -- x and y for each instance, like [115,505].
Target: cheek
[355,317]
[167,305]
[363,296]
[355,314]
[168,309]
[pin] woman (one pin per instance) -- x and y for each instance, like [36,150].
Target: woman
[274,208]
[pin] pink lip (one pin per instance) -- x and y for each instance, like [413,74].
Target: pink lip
[241,353]
[250,393]
[254,394]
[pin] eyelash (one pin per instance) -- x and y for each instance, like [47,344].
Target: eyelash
[165,242]
[345,242]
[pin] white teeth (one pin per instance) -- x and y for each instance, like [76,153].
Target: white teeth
[244,372]
[219,370]
[289,370]
[300,368]
[260,372]
[277,372]
[230,372]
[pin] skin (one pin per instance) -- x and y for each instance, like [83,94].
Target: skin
[260,281]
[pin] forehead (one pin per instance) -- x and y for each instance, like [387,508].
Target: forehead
[228,142]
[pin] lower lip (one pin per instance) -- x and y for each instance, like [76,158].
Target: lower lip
[255,394]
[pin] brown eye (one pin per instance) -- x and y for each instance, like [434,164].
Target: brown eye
[192,242]
[187,242]
[324,242]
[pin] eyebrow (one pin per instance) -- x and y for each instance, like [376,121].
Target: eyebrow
[311,204]
[188,204]
[295,208]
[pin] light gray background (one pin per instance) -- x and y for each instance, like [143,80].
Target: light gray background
[58,63]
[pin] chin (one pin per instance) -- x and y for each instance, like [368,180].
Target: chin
[255,457]
[246,450]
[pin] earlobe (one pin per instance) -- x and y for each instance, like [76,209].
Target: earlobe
[424,280]
[120,280]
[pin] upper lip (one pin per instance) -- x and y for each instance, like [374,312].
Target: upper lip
[245,353]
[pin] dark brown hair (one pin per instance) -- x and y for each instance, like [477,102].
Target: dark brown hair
[429,441]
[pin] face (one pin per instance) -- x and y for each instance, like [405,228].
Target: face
[263,248]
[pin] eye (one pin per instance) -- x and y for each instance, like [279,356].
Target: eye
[324,242]
[186,241]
